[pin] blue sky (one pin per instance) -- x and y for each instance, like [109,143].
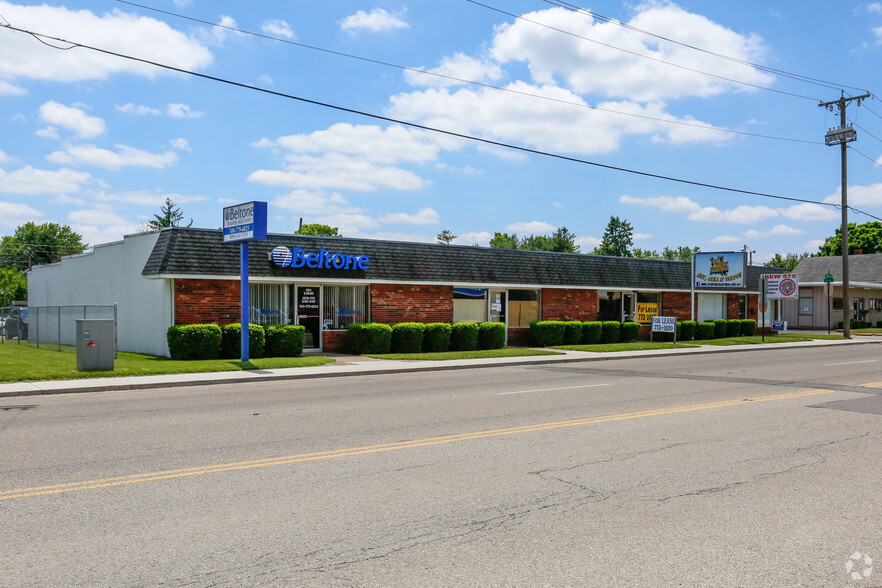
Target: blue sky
[98,142]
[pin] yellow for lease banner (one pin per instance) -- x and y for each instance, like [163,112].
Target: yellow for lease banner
[645,312]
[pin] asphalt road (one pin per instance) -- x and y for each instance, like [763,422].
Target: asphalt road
[756,468]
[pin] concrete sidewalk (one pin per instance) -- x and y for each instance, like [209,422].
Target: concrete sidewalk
[354,365]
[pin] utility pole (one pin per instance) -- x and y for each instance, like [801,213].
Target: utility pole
[844,134]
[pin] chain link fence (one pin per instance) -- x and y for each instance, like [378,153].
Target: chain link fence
[50,325]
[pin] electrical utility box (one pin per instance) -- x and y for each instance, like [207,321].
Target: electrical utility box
[95,344]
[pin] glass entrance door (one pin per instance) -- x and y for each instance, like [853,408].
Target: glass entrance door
[309,314]
[498,306]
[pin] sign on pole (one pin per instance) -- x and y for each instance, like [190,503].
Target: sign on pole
[664,324]
[719,270]
[781,286]
[243,223]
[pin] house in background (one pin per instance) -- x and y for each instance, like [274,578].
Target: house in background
[815,295]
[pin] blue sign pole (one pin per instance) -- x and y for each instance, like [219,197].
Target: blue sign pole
[243,298]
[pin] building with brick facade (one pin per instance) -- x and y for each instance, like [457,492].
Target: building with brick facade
[186,275]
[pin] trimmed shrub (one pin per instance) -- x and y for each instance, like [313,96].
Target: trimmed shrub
[284,340]
[686,330]
[879,324]
[464,336]
[704,330]
[436,337]
[733,328]
[609,331]
[720,328]
[591,331]
[374,338]
[194,341]
[748,327]
[572,332]
[547,333]
[407,337]
[491,335]
[629,332]
[231,341]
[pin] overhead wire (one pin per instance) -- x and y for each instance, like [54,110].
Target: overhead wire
[446,132]
[780,72]
[440,75]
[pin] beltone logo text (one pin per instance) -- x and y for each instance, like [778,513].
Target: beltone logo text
[322,259]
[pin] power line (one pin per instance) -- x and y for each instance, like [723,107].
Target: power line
[780,72]
[469,82]
[431,129]
[565,32]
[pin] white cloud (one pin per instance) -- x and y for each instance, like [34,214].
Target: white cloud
[181,144]
[72,119]
[642,236]
[138,109]
[612,65]
[341,172]
[95,216]
[741,214]
[666,203]
[29,181]
[425,216]
[97,234]
[859,196]
[183,111]
[4,158]
[810,212]
[8,89]
[813,245]
[122,32]
[278,28]
[306,202]
[478,237]
[377,20]
[146,197]
[725,239]
[453,69]
[388,145]
[124,157]
[530,228]
[48,133]
[13,214]
[587,243]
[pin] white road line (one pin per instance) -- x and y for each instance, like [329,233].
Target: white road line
[552,389]
[851,362]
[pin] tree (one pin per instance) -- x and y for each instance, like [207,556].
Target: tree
[34,244]
[866,237]
[317,230]
[680,253]
[505,241]
[564,241]
[170,216]
[13,286]
[617,239]
[789,261]
[645,253]
[445,237]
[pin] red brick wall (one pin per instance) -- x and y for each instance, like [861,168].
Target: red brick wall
[336,341]
[207,301]
[569,305]
[519,337]
[676,304]
[393,303]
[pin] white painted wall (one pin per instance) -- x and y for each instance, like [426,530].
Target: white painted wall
[111,273]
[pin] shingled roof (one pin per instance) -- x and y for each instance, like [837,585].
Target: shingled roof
[861,268]
[183,251]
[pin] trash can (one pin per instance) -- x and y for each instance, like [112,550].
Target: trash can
[95,344]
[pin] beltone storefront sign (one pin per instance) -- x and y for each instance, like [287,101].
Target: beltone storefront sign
[321,259]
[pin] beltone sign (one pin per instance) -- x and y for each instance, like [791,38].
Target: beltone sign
[321,259]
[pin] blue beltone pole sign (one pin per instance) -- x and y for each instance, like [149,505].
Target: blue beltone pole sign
[243,223]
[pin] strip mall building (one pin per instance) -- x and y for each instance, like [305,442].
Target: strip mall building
[186,275]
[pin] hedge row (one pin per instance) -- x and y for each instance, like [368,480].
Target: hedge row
[552,333]
[860,324]
[212,341]
[377,338]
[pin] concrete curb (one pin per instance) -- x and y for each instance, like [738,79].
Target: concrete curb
[364,368]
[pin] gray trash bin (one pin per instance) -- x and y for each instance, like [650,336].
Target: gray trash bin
[95,344]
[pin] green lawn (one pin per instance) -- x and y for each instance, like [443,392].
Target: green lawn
[446,355]
[24,362]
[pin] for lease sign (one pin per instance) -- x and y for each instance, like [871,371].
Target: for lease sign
[781,286]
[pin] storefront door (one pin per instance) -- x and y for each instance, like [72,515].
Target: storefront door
[309,314]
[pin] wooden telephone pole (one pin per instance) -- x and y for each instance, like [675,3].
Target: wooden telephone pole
[844,134]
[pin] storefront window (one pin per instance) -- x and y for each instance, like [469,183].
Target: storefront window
[344,305]
[523,307]
[469,305]
[268,304]
[609,306]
